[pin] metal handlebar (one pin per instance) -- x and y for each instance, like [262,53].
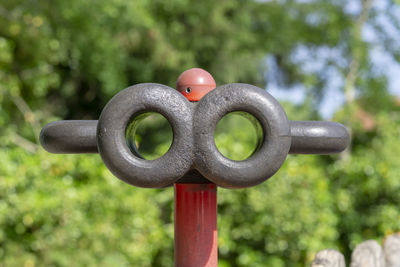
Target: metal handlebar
[308,137]
[193,147]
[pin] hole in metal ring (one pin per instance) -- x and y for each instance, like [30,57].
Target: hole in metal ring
[149,135]
[238,135]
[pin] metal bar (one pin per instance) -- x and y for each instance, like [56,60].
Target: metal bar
[308,137]
[196,241]
[67,137]
[318,137]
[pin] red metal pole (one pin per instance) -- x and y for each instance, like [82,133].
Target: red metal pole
[196,225]
[196,243]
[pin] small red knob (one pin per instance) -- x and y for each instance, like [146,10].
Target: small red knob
[195,83]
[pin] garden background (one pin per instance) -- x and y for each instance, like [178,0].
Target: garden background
[335,60]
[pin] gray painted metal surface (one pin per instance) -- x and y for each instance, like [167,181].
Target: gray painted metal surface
[193,153]
[66,137]
[270,156]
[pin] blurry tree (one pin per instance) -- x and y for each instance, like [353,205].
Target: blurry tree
[66,59]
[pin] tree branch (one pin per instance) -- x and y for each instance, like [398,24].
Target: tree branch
[355,63]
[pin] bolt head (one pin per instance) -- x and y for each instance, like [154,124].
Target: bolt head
[195,83]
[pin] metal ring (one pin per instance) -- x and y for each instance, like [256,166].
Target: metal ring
[112,144]
[266,161]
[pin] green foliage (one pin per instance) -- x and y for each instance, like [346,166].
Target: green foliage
[366,185]
[289,217]
[155,126]
[66,59]
[238,135]
[69,209]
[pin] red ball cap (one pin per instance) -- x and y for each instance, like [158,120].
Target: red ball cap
[195,83]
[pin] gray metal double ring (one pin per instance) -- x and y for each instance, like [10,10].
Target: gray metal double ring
[193,146]
[113,147]
[266,160]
